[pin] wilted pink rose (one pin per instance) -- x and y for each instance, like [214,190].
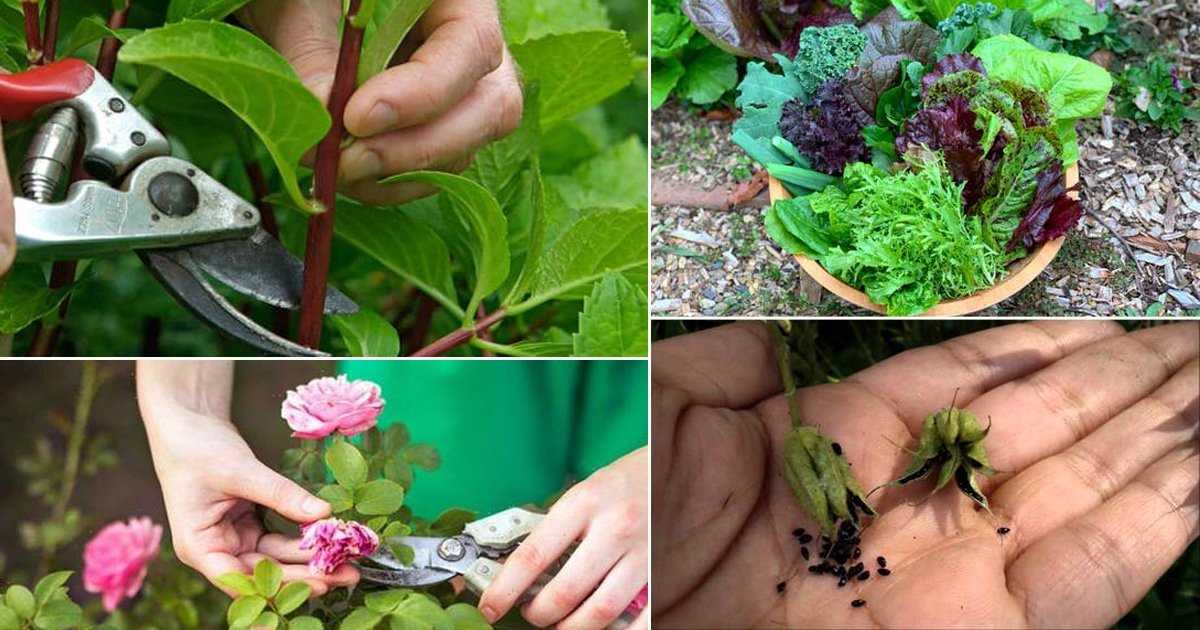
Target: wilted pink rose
[115,560]
[325,405]
[639,603]
[335,542]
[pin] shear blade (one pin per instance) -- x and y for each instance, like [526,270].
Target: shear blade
[404,577]
[262,268]
[183,278]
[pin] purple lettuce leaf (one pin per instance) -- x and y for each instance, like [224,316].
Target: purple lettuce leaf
[1052,213]
[950,127]
[949,65]
[891,41]
[828,129]
[747,28]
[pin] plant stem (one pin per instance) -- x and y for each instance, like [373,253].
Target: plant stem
[50,32]
[783,359]
[461,336]
[426,307]
[325,176]
[90,380]
[486,334]
[62,272]
[33,32]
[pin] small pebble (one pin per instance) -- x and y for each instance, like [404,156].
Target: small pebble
[884,572]
[858,603]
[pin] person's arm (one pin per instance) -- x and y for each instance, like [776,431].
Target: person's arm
[8,238]
[457,91]
[211,479]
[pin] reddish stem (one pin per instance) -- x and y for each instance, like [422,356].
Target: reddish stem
[50,31]
[33,32]
[460,336]
[258,184]
[325,175]
[426,307]
[62,272]
[485,334]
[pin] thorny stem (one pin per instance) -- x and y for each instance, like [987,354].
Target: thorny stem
[783,360]
[90,380]
[325,176]
[62,272]
[33,34]
[461,336]
[50,31]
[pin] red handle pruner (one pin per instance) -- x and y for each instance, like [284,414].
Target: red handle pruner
[22,95]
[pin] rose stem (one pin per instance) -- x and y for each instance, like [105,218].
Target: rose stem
[50,32]
[325,175]
[460,336]
[33,35]
[62,272]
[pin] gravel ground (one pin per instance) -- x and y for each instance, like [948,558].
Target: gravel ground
[1136,252]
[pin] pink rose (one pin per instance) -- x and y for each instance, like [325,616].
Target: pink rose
[639,603]
[115,560]
[335,542]
[325,405]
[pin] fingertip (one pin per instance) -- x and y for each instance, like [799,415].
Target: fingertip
[316,508]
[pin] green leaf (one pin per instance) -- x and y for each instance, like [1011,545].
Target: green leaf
[305,623]
[92,29]
[451,522]
[238,582]
[368,334]
[529,19]
[406,246]
[616,178]
[613,321]
[467,617]
[381,496]
[25,298]
[575,71]
[20,600]
[58,614]
[238,69]
[426,609]
[292,596]
[267,577]
[1074,87]
[403,553]
[388,26]
[49,585]
[664,76]
[244,610]
[599,242]
[202,9]
[399,471]
[479,215]
[384,602]
[348,465]
[361,619]
[266,621]
[709,76]
[9,619]
[423,456]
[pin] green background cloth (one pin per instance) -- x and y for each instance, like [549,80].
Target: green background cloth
[510,432]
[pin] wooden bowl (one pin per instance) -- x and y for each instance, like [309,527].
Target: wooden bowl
[1020,272]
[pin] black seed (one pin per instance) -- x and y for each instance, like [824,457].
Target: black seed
[804,552]
[884,572]
[841,582]
[857,552]
[779,588]
[864,575]
[856,569]
[858,603]
[1003,530]
[805,539]
[799,531]
[825,539]
[837,448]
[816,568]
[882,561]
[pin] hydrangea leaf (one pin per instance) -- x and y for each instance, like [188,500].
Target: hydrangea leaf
[575,70]
[597,243]
[368,334]
[202,9]
[390,23]
[613,321]
[524,20]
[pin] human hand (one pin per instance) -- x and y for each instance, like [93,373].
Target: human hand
[458,91]
[1096,430]
[8,237]
[211,501]
[607,513]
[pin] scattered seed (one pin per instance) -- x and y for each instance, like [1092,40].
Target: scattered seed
[884,572]
[882,561]
[804,552]
[841,582]
[805,539]
[780,587]
[816,568]
[855,570]
[858,603]
[864,575]
[1003,530]
[837,448]
[857,553]
[798,532]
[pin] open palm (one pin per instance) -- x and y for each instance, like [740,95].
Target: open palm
[1094,430]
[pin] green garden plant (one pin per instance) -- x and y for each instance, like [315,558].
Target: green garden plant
[538,248]
[684,63]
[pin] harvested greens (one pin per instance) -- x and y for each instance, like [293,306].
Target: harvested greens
[927,150]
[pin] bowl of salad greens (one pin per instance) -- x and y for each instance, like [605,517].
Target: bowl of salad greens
[919,169]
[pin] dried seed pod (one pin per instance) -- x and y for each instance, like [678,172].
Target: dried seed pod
[801,474]
[821,480]
[966,482]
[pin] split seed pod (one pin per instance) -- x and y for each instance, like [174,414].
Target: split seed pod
[952,440]
[821,480]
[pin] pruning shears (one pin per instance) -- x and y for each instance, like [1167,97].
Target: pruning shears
[185,225]
[476,555]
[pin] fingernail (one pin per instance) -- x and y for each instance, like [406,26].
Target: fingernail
[381,118]
[360,163]
[489,613]
[313,505]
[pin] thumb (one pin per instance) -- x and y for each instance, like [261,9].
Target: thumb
[270,489]
[305,33]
